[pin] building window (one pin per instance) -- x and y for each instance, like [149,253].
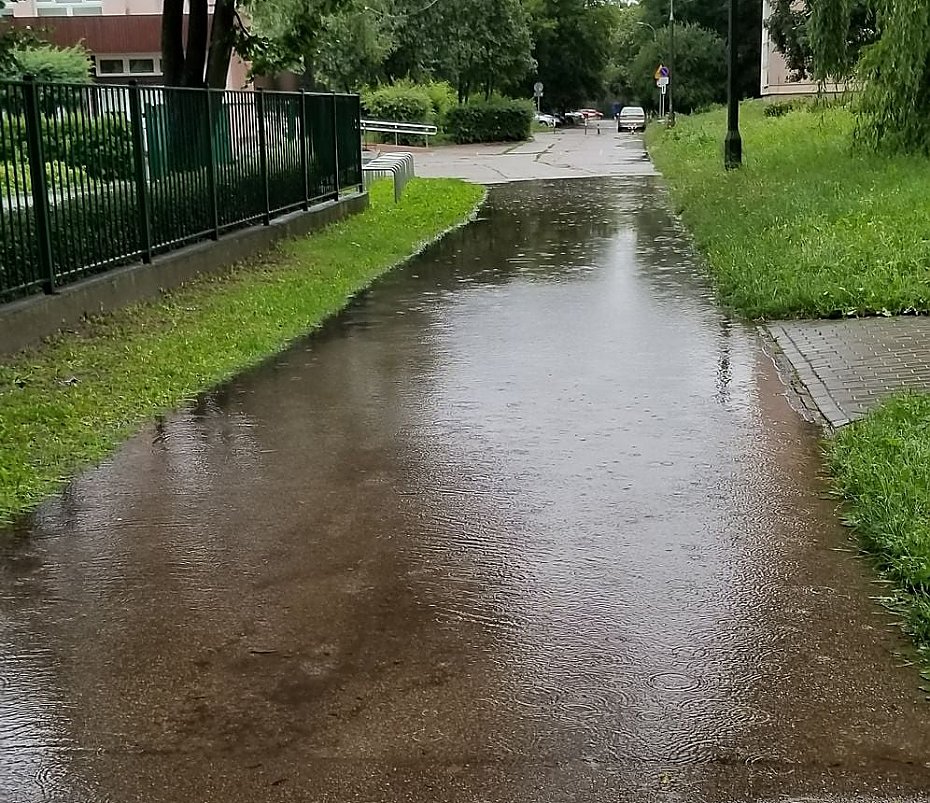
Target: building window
[123,66]
[110,67]
[142,66]
[69,8]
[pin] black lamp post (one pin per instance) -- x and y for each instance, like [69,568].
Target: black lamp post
[733,145]
[671,62]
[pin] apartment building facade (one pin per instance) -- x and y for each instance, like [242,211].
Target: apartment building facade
[122,36]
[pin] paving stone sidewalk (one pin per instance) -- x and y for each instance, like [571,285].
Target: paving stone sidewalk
[847,367]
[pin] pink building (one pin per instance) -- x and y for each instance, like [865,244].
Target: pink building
[123,36]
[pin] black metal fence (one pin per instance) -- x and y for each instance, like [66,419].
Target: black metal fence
[96,176]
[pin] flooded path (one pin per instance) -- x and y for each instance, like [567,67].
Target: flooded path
[532,521]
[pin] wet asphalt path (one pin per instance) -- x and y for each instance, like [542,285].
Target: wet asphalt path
[531,521]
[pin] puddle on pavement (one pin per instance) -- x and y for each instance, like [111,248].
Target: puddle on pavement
[531,521]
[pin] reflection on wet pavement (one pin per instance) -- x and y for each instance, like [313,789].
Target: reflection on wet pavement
[532,521]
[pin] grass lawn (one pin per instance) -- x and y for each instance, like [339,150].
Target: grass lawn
[807,228]
[71,402]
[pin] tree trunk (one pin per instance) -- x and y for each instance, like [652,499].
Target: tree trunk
[172,43]
[196,58]
[221,43]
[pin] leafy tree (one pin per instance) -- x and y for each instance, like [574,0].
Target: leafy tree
[478,46]
[791,25]
[700,65]
[353,44]
[894,112]
[627,38]
[572,48]
[713,15]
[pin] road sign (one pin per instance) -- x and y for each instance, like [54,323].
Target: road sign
[538,89]
[663,88]
[662,82]
[661,72]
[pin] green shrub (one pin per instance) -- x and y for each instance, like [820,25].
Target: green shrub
[490,121]
[103,149]
[16,178]
[443,97]
[67,65]
[403,103]
[101,146]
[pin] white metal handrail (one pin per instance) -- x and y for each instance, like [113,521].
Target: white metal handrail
[391,127]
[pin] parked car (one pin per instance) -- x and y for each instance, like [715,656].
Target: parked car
[631,118]
[591,114]
[547,119]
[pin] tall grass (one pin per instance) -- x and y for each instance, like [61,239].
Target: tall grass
[808,227]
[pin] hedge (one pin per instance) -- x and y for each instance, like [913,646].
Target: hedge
[490,121]
[102,146]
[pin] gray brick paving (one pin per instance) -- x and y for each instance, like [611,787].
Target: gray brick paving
[847,367]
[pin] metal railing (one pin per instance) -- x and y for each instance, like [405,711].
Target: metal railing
[95,176]
[398,129]
[399,166]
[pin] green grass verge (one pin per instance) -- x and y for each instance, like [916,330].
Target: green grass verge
[807,227]
[881,465]
[71,402]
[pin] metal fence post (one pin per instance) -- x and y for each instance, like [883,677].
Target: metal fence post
[40,205]
[304,161]
[263,153]
[211,168]
[138,163]
[359,161]
[335,147]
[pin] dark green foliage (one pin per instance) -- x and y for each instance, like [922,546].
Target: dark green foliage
[103,149]
[781,108]
[712,15]
[490,121]
[700,67]
[572,50]
[101,146]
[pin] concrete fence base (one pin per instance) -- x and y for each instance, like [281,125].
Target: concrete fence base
[25,322]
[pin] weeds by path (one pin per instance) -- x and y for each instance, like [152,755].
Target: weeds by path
[70,403]
[807,228]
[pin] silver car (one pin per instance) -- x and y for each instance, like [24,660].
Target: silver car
[631,118]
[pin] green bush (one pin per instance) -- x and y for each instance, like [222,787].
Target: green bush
[104,149]
[403,103]
[16,178]
[67,65]
[443,97]
[490,121]
[101,146]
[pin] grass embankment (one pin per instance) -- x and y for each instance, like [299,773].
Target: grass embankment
[808,227]
[71,402]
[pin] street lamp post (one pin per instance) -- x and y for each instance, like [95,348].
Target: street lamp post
[673,77]
[733,145]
